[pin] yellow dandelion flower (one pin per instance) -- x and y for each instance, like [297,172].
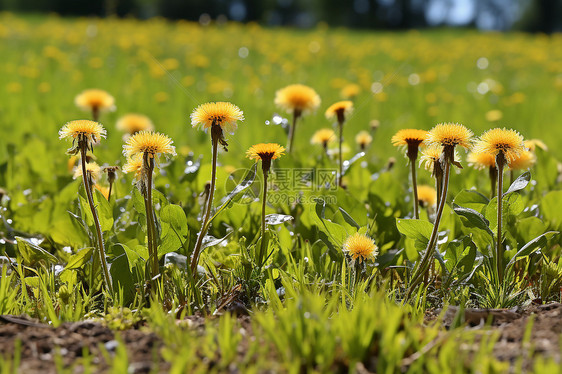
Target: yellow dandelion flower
[265,151]
[363,139]
[134,165]
[430,155]
[532,144]
[80,129]
[507,142]
[151,143]
[408,137]
[480,160]
[524,161]
[133,123]
[349,91]
[340,110]
[374,124]
[224,114]
[450,134]
[297,98]
[95,99]
[92,168]
[361,247]
[323,137]
[494,115]
[427,195]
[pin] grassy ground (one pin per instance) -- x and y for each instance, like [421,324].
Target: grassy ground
[311,307]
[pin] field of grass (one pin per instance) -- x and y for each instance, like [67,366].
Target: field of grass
[311,307]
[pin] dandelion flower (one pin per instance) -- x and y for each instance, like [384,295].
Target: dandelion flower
[524,161]
[83,132]
[323,137]
[95,100]
[507,142]
[410,138]
[297,98]
[339,110]
[264,151]
[481,160]
[349,91]
[363,139]
[135,165]
[532,144]
[361,247]
[133,123]
[92,169]
[450,134]
[223,114]
[427,196]
[153,144]
[104,190]
[494,115]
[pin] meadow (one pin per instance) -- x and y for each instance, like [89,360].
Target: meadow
[286,292]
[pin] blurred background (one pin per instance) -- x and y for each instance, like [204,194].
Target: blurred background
[525,15]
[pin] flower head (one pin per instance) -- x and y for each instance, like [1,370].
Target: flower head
[450,134]
[104,190]
[481,160]
[360,246]
[265,152]
[95,99]
[82,130]
[151,143]
[431,157]
[507,142]
[134,164]
[411,139]
[339,110]
[524,161]
[224,114]
[349,91]
[92,169]
[532,144]
[323,136]
[297,99]
[363,139]
[427,195]
[133,123]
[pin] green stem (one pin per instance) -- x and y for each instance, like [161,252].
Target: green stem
[493,178]
[431,245]
[109,193]
[263,225]
[296,115]
[500,160]
[415,188]
[101,248]
[340,179]
[204,226]
[150,225]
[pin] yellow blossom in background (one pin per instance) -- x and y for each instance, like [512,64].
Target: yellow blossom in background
[339,111]
[432,154]
[224,114]
[134,165]
[161,97]
[95,99]
[133,123]
[350,91]
[151,143]
[363,139]
[265,151]
[494,141]
[481,160]
[494,115]
[92,168]
[360,247]
[408,137]
[532,144]
[323,137]
[427,195]
[297,97]
[450,134]
[104,190]
[524,161]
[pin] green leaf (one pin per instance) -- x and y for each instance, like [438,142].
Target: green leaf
[174,229]
[415,229]
[79,259]
[277,219]
[551,209]
[348,218]
[133,257]
[512,206]
[521,182]
[472,200]
[32,253]
[104,210]
[532,246]
[460,255]
[334,233]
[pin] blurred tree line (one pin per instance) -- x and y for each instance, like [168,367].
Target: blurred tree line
[528,15]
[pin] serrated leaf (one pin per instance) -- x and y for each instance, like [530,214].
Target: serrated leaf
[32,253]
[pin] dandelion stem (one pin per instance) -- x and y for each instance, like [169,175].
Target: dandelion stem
[415,188]
[150,225]
[431,245]
[340,178]
[500,161]
[99,234]
[263,225]
[296,115]
[109,192]
[204,226]
[493,178]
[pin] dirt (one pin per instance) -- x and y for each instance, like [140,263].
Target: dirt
[44,347]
